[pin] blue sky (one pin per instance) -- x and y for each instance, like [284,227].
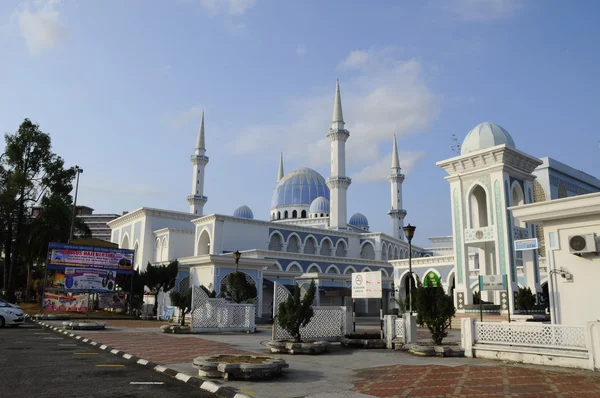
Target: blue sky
[120,86]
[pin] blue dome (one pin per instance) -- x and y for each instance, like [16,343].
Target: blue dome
[319,205]
[243,212]
[299,187]
[359,220]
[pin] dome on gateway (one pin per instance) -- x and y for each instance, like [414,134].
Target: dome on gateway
[299,187]
[243,212]
[319,205]
[486,135]
[359,220]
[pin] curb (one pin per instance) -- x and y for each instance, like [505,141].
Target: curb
[210,386]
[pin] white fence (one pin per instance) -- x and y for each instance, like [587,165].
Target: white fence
[219,315]
[328,323]
[559,345]
[394,330]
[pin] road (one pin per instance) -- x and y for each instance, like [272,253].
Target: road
[39,363]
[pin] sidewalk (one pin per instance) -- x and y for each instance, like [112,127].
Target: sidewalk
[347,372]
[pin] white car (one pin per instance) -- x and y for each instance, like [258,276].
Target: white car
[10,314]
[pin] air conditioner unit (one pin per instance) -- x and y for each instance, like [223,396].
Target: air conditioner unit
[583,243]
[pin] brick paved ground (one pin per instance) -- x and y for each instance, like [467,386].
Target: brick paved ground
[475,381]
[160,347]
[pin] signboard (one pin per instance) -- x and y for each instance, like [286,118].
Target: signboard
[62,255]
[114,300]
[526,244]
[54,302]
[86,279]
[431,279]
[493,282]
[366,284]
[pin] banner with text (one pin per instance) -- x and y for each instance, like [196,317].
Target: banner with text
[366,284]
[62,255]
[89,280]
[114,300]
[54,302]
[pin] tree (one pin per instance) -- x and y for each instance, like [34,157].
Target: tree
[183,301]
[29,170]
[160,277]
[296,313]
[237,288]
[134,298]
[455,144]
[436,310]
[525,299]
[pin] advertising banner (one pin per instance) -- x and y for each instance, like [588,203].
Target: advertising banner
[366,284]
[62,255]
[114,300]
[54,302]
[89,280]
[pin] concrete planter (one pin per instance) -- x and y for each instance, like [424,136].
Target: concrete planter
[427,350]
[289,347]
[244,367]
[358,342]
[174,328]
[81,325]
[51,317]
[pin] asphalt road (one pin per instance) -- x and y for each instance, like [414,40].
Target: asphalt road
[39,363]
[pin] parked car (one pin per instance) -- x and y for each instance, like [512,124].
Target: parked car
[10,314]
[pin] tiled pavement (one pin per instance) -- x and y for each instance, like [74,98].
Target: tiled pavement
[161,348]
[475,381]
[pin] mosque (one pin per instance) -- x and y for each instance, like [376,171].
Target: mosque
[309,236]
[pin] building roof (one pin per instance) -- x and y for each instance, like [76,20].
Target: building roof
[299,187]
[319,205]
[243,212]
[486,135]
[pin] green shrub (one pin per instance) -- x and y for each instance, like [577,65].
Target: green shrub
[295,313]
[435,309]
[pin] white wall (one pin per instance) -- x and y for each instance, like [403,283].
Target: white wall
[202,275]
[576,301]
[181,244]
[230,236]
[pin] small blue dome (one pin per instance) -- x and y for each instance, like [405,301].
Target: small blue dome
[359,220]
[299,187]
[243,212]
[319,205]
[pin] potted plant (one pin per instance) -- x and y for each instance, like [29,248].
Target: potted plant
[294,314]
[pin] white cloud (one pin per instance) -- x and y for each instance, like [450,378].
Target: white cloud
[40,26]
[229,7]
[177,120]
[301,50]
[484,10]
[384,96]
[379,171]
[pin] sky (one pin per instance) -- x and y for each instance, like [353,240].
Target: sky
[120,87]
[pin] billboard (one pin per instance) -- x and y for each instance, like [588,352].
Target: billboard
[55,302]
[115,300]
[366,284]
[89,279]
[63,255]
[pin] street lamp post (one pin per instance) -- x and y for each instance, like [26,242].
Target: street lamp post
[409,232]
[237,256]
[78,170]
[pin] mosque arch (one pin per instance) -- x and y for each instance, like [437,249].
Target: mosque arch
[349,269]
[285,214]
[562,190]
[125,241]
[384,252]
[295,214]
[294,267]
[293,243]
[310,245]
[275,267]
[276,242]
[340,248]
[405,281]
[303,214]
[399,253]
[432,276]
[451,283]
[517,199]
[367,251]
[136,246]
[157,250]
[366,269]
[539,195]
[279,215]
[203,243]
[314,268]
[384,272]
[478,214]
[326,246]
[333,269]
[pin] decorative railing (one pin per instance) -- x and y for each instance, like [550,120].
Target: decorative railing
[520,233]
[399,329]
[480,234]
[531,335]
[210,314]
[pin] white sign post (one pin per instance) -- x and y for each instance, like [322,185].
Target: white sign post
[490,283]
[526,244]
[367,285]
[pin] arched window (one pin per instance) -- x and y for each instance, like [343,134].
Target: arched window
[384,252]
[367,252]
[293,245]
[478,207]
[326,247]
[285,214]
[310,247]
[518,199]
[204,243]
[303,215]
[340,250]
[279,215]
[294,214]
[276,243]
[562,190]
[313,268]
[294,268]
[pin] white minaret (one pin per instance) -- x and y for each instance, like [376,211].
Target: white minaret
[338,183]
[280,175]
[197,200]
[395,178]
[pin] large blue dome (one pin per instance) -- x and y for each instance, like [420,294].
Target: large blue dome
[299,187]
[243,212]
